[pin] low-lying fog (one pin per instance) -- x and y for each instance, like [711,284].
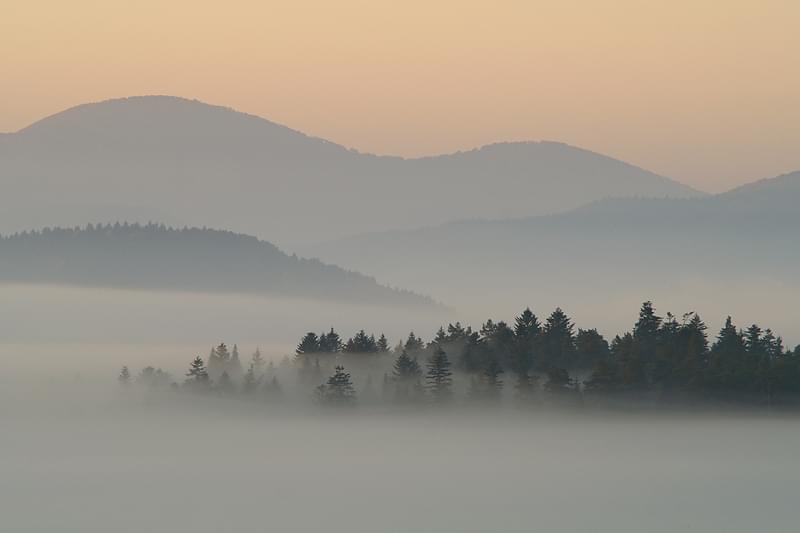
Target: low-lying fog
[80,453]
[35,314]
[98,461]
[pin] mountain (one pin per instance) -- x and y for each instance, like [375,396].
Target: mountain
[191,259]
[738,247]
[188,163]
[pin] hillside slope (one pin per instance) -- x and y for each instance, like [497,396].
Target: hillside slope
[201,260]
[188,163]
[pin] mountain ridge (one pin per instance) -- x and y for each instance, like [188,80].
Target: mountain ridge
[158,257]
[199,164]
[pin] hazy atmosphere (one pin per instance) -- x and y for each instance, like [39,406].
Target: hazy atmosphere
[378,266]
[701,91]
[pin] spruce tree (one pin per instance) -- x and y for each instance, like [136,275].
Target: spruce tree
[338,390]
[383,344]
[361,343]
[234,366]
[439,377]
[197,377]
[558,342]
[590,347]
[406,375]
[309,344]
[330,342]
[414,344]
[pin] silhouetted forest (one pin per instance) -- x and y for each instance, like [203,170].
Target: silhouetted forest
[155,256]
[662,361]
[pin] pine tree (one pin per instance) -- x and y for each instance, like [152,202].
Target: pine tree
[527,331]
[646,328]
[308,345]
[330,342]
[215,365]
[629,359]
[440,338]
[439,377]
[383,344]
[414,344]
[590,347]
[727,360]
[234,366]
[558,342]
[197,376]
[526,326]
[361,343]
[338,390]
[406,375]
[406,367]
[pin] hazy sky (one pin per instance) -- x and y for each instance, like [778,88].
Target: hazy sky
[707,92]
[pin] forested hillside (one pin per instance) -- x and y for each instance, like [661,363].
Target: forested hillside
[190,259]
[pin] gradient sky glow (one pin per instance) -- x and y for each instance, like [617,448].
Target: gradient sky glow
[706,92]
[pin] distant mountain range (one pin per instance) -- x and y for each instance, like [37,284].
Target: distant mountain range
[644,246]
[193,259]
[184,162]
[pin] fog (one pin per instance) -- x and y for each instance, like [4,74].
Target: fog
[107,460]
[80,453]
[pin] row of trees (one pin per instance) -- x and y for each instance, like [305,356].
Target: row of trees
[662,359]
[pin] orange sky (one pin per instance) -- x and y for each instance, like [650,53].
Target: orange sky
[707,92]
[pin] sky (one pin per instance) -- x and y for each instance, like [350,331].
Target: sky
[706,92]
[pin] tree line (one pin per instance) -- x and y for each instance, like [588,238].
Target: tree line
[660,361]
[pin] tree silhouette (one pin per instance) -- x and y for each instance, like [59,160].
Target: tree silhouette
[439,377]
[197,377]
[338,390]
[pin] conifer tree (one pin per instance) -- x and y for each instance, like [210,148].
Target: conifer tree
[414,344]
[218,362]
[558,342]
[338,390]
[439,377]
[406,375]
[234,366]
[330,342]
[197,376]
[590,347]
[383,344]
[361,343]
[309,344]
